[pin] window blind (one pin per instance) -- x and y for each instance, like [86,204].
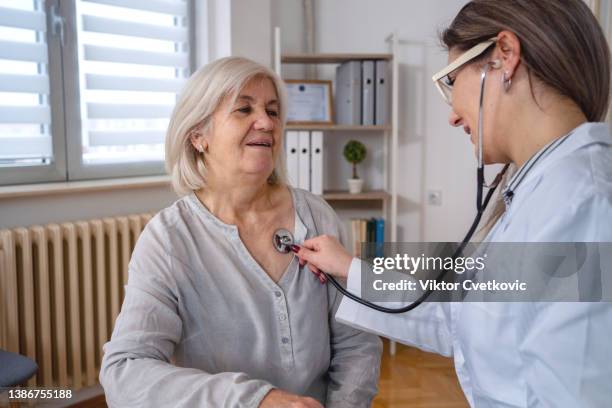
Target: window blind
[133,61]
[25,114]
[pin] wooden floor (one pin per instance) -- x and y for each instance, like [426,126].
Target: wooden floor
[413,378]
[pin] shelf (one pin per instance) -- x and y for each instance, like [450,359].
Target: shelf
[358,128]
[363,196]
[330,58]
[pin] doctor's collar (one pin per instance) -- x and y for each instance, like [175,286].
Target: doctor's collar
[519,176]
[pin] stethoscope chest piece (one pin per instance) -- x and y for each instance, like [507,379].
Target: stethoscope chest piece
[282,240]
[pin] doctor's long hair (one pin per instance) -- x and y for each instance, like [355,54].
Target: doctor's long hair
[562,47]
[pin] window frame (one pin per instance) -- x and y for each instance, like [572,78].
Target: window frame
[66,120]
[56,170]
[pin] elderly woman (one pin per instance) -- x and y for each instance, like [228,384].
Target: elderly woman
[213,315]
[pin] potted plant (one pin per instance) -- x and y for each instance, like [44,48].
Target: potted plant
[355,153]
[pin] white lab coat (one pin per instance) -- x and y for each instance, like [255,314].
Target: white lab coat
[526,354]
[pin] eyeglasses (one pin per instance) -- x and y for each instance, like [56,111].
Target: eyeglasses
[442,79]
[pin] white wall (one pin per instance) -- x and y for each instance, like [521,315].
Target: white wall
[252,30]
[289,16]
[57,208]
[213,34]
[432,155]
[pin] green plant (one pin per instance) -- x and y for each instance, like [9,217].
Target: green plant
[354,152]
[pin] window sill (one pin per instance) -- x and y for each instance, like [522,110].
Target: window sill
[43,189]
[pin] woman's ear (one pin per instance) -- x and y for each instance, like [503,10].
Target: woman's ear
[508,51]
[198,141]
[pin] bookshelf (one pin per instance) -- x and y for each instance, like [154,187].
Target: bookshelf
[332,128]
[331,58]
[386,197]
[341,195]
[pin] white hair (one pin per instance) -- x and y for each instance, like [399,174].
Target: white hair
[202,94]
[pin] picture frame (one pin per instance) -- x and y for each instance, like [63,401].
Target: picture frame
[309,102]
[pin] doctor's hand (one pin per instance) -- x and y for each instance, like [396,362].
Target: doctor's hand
[325,253]
[281,399]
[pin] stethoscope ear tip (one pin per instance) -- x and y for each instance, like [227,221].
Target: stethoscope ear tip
[495,64]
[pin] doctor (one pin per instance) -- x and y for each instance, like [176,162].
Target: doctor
[546,93]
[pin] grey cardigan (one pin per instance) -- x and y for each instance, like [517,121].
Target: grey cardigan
[203,325]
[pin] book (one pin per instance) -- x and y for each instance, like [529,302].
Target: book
[380,237]
[367,231]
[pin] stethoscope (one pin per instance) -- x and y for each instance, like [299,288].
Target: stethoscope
[282,239]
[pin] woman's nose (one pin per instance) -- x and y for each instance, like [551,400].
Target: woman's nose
[454,119]
[264,122]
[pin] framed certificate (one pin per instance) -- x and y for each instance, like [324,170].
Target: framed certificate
[310,102]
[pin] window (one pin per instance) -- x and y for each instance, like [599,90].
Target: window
[87,86]
[30,117]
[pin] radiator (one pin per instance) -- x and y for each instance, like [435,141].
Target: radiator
[61,290]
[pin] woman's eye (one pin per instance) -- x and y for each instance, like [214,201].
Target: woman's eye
[244,109]
[273,113]
[448,80]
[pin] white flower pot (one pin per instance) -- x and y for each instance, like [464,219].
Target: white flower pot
[355,186]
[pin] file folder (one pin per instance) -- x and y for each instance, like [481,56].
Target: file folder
[367,98]
[316,162]
[381,99]
[304,160]
[348,93]
[291,149]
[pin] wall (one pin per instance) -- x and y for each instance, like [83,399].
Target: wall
[252,30]
[56,208]
[213,34]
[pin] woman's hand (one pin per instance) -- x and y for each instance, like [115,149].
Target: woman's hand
[325,253]
[281,399]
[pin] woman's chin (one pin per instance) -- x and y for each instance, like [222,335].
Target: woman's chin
[485,157]
[262,171]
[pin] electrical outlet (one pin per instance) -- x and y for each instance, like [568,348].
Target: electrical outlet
[434,197]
